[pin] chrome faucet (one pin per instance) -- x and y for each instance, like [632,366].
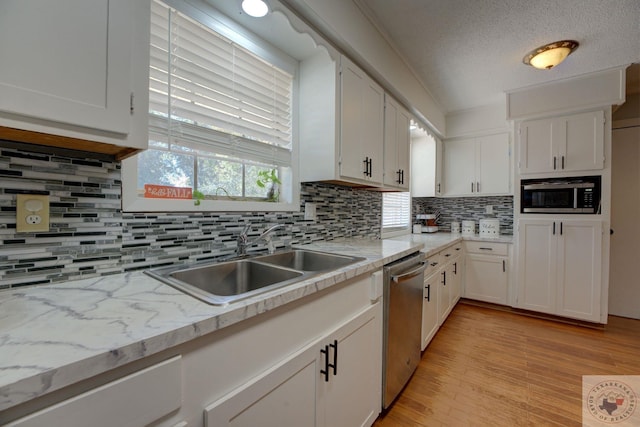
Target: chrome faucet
[243,239]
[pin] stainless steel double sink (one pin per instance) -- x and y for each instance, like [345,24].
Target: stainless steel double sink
[222,283]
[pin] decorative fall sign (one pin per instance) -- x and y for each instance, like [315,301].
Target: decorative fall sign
[153,191]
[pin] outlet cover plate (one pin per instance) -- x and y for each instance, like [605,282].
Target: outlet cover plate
[32,213]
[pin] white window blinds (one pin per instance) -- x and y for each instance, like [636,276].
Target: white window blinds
[396,210]
[208,93]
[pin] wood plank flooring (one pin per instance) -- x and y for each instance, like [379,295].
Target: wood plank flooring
[487,367]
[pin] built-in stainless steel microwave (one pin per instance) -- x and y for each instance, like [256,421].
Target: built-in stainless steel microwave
[576,195]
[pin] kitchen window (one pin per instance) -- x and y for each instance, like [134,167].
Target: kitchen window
[221,119]
[396,213]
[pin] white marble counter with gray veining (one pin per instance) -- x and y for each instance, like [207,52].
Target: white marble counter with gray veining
[435,242]
[52,336]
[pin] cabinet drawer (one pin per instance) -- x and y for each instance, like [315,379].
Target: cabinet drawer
[135,400]
[451,252]
[434,262]
[487,248]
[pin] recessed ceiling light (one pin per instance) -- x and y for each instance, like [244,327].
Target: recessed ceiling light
[255,8]
[548,56]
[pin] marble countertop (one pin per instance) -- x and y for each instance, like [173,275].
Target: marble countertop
[52,336]
[435,242]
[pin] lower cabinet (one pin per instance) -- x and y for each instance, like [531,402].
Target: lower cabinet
[430,318]
[450,281]
[486,272]
[138,399]
[442,285]
[335,381]
[560,267]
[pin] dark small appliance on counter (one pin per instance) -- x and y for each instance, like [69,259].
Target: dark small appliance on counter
[574,195]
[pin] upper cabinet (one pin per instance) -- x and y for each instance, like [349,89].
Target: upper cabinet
[562,144]
[426,165]
[341,123]
[361,125]
[77,70]
[396,145]
[478,167]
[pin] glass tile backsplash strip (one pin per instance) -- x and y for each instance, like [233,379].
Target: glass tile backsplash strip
[467,208]
[90,236]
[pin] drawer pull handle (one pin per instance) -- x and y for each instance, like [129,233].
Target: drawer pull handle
[486,249]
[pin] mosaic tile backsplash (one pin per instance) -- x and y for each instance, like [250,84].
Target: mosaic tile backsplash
[90,235]
[467,208]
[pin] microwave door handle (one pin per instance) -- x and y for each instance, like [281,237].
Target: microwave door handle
[575,198]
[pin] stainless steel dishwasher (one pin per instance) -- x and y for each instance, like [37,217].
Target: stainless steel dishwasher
[403,283]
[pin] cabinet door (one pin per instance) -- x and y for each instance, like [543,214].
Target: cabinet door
[584,142]
[536,146]
[430,308]
[493,164]
[362,125]
[455,269]
[353,394]
[444,295]
[486,278]
[439,186]
[459,167]
[579,272]
[537,259]
[396,145]
[68,62]
[426,166]
[282,396]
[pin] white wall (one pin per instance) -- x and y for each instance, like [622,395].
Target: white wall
[476,121]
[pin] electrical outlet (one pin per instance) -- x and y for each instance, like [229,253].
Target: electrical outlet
[32,213]
[488,209]
[310,211]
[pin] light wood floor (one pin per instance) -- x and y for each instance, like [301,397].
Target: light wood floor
[493,368]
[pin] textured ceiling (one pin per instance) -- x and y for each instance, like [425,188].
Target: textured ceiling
[469,52]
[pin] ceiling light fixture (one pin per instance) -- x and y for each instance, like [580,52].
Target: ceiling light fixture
[548,56]
[255,8]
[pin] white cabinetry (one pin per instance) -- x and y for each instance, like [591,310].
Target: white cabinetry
[328,383]
[426,165]
[430,302]
[486,272]
[396,145]
[478,166]
[362,124]
[77,69]
[341,123]
[559,144]
[134,400]
[560,267]
[442,284]
[450,281]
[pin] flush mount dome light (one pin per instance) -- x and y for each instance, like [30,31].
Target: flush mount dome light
[255,8]
[548,56]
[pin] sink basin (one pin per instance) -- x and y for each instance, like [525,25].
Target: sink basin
[303,260]
[226,282]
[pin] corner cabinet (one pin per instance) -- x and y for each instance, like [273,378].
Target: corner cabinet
[76,70]
[328,383]
[560,267]
[396,145]
[487,272]
[341,122]
[562,144]
[478,166]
